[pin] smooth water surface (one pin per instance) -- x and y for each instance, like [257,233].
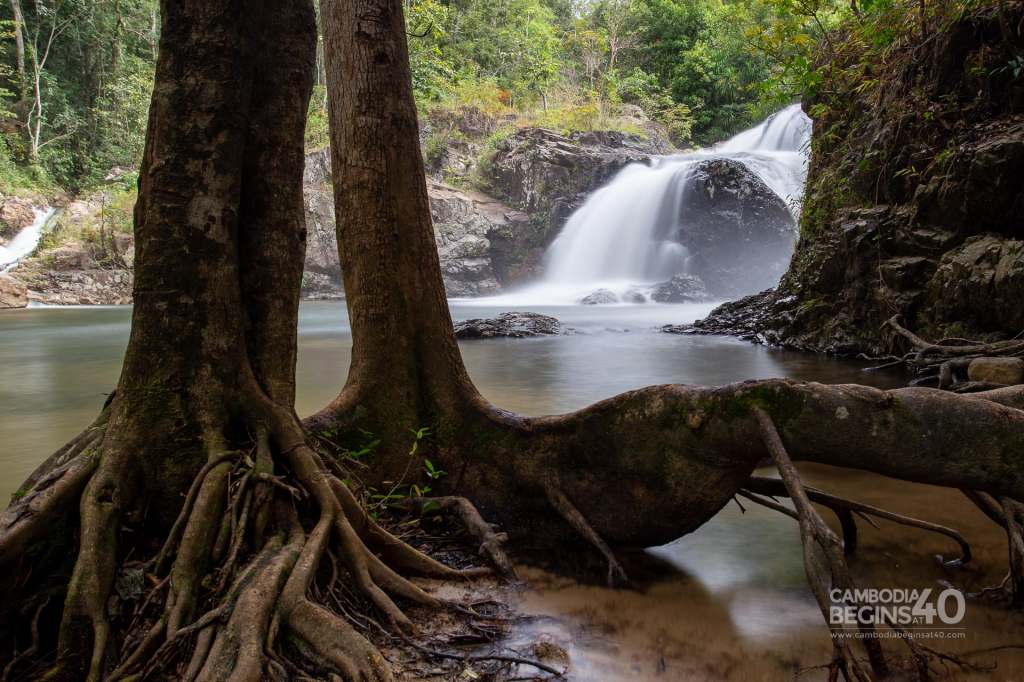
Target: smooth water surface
[728,602]
[58,364]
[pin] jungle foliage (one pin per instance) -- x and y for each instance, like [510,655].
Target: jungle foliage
[76,75]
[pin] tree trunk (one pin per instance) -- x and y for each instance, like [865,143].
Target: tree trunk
[198,475]
[19,42]
[406,370]
[639,469]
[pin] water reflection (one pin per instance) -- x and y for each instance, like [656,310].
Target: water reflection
[735,607]
[59,363]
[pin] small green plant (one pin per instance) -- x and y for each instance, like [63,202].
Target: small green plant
[1014,67]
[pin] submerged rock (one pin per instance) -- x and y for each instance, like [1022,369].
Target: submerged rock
[680,289]
[600,297]
[512,325]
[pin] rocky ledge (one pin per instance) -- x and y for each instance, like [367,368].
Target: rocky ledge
[511,325]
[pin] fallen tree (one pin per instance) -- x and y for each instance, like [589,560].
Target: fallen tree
[199,474]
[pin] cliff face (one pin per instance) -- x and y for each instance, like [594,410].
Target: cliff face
[915,197]
[484,245]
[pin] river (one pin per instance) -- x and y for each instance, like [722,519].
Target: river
[727,602]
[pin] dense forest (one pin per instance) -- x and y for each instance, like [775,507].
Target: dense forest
[77,74]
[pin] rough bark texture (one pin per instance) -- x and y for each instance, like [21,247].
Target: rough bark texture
[387,249]
[197,474]
[670,455]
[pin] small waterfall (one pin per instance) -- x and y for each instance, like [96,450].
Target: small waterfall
[25,242]
[620,238]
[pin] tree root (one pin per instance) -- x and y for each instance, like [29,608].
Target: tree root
[490,542]
[845,510]
[823,561]
[248,590]
[944,360]
[1008,514]
[570,514]
[1013,512]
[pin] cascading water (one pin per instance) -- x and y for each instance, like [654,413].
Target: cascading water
[621,238]
[25,241]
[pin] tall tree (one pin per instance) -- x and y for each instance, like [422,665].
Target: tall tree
[194,469]
[670,455]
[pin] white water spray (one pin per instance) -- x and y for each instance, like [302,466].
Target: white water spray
[25,242]
[619,238]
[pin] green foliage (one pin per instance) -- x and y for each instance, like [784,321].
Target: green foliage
[94,64]
[317,129]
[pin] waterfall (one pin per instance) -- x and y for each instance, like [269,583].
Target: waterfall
[620,238]
[25,242]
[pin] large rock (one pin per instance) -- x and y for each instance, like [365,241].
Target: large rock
[13,294]
[739,233]
[512,325]
[1009,371]
[981,284]
[600,297]
[93,286]
[549,175]
[470,228]
[15,215]
[680,289]
[478,238]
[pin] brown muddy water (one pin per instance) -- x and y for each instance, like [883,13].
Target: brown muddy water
[728,602]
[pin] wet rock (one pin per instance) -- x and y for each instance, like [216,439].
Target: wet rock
[1008,371]
[739,233]
[634,296]
[748,318]
[13,294]
[600,297]
[512,325]
[680,289]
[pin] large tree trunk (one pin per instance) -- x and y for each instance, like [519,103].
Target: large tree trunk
[197,474]
[406,371]
[638,469]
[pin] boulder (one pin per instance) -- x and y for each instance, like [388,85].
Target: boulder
[15,215]
[680,289]
[600,297]
[740,233]
[511,325]
[476,238]
[1009,371]
[635,295]
[482,243]
[980,284]
[13,294]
